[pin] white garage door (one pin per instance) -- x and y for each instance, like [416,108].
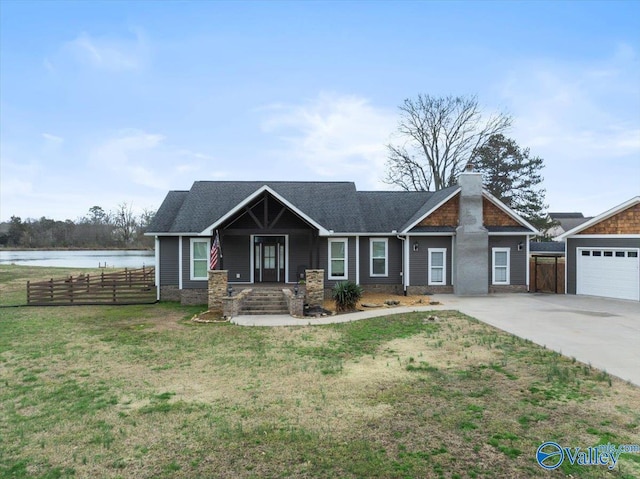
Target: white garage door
[613,273]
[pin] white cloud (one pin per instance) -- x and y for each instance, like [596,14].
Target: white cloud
[53,138]
[109,53]
[334,136]
[583,119]
[577,110]
[146,159]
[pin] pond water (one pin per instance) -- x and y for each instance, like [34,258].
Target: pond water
[79,259]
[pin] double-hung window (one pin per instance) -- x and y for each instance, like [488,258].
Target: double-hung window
[199,258]
[378,263]
[500,265]
[338,258]
[437,266]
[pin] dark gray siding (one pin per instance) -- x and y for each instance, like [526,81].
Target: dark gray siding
[573,243]
[518,260]
[394,262]
[419,267]
[168,261]
[236,257]
[187,283]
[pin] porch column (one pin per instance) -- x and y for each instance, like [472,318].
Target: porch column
[314,286]
[217,288]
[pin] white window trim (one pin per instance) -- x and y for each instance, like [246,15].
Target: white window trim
[346,257]
[493,266]
[191,259]
[386,257]
[444,265]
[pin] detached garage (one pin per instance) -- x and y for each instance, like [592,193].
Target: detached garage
[603,254]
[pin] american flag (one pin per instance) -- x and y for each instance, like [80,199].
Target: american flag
[215,252]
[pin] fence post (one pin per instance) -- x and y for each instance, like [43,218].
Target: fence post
[51,288]
[28,292]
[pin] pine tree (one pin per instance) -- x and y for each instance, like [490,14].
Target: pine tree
[514,177]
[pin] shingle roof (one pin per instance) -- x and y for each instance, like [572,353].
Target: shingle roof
[336,206]
[547,247]
[333,205]
[568,221]
[385,211]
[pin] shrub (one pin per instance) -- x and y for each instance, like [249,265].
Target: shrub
[346,294]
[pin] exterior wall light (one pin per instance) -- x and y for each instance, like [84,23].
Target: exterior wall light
[416,246]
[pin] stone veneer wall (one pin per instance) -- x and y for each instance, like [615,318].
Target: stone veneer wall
[506,288]
[295,304]
[169,293]
[314,287]
[192,297]
[218,281]
[434,289]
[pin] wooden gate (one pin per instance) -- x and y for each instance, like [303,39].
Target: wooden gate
[131,286]
[547,274]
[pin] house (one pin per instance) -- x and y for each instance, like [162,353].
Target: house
[457,240]
[602,254]
[564,222]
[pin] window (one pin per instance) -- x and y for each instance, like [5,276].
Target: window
[378,263]
[437,266]
[338,258]
[199,258]
[619,254]
[586,252]
[501,265]
[632,254]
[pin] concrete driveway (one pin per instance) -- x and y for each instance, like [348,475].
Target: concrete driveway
[599,331]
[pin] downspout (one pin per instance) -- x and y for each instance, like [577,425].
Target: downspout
[357,259]
[402,272]
[528,274]
[180,263]
[157,251]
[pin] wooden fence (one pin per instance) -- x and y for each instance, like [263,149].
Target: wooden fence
[547,274]
[131,286]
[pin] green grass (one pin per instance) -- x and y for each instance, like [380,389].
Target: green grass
[140,391]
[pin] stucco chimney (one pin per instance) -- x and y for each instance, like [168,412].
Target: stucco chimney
[472,239]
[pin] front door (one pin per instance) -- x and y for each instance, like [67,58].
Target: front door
[270,259]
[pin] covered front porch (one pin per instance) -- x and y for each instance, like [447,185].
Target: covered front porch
[267,241]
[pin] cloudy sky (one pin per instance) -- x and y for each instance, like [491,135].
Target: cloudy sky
[103,103]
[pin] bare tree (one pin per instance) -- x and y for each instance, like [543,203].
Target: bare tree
[125,223]
[441,135]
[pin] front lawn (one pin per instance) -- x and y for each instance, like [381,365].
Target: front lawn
[141,392]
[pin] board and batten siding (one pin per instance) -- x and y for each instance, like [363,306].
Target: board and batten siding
[168,261]
[237,257]
[518,260]
[419,260]
[575,242]
[299,258]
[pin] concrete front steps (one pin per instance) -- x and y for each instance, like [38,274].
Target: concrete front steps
[265,301]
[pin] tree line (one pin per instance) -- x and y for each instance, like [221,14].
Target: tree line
[98,229]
